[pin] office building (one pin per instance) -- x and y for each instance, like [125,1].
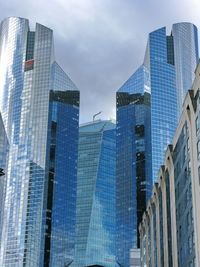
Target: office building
[133,156]
[171,61]
[95,211]
[165,76]
[170,228]
[186,55]
[39,105]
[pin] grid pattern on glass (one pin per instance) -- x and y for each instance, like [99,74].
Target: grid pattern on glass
[186,57]
[60,80]
[95,212]
[134,180]
[26,117]
[13,37]
[162,68]
[61,206]
[138,83]
[134,171]
[163,98]
[171,61]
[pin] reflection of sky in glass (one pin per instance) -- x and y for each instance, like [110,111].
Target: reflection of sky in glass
[186,57]
[64,135]
[95,225]
[131,193]
[159,76]
[138,83]
[163,98]
[24,106]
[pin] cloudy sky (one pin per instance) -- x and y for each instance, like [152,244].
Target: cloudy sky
[100,43]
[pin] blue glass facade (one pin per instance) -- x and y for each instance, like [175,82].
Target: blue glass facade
[171,61]
[166,73]
[175,198]
[133,154]
[61,205]
[186,56]
[163,97]
[40,109]
[95,212]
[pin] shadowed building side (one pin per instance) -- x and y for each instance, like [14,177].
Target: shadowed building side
[133,155]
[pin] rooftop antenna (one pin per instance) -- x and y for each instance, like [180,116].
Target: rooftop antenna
[96,114]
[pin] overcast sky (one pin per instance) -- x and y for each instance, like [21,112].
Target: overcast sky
[100,43]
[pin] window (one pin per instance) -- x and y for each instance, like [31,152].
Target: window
[198,149]
[197,124]
[188,145]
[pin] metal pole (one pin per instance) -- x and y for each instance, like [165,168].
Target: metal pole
[96,114]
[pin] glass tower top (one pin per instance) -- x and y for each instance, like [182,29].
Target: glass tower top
[163,95]
[133,161]
[186,57]
[138,83]
[151,99]
[39,105]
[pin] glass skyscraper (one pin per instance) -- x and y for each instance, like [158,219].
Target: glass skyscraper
[170,229]
[159,60]
[165,76]
[133,158]
[39,105]
[95,212]
[171,61]
[186,56]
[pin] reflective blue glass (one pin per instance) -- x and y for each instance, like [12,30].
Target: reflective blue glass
[166,75]
[39,106]
[171,61]
[95,212]
[63,171]
[133,154]
[138,83]
[163,98]
[186,57]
